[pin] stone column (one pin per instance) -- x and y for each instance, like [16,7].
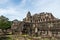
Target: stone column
[50,33]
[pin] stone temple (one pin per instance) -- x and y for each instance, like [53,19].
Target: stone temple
[40,24]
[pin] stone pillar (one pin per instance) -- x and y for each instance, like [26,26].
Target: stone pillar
[36,30]
[50,33]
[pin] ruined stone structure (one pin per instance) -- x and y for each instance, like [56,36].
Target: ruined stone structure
[42,24]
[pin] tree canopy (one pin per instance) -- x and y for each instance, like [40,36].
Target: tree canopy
[4,22]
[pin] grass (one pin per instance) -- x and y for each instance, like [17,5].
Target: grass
[5,38]
[27,37]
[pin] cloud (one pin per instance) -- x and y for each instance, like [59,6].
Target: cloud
[3,1]
[18,10]
[11,13]
[52,6]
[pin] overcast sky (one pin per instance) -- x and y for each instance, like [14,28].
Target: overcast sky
[17,9]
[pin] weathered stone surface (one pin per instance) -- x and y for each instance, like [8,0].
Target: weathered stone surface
[45,23]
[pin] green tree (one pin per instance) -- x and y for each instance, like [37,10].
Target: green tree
[4,23]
